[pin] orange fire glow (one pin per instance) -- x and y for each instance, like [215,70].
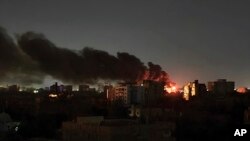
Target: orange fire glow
[170,89]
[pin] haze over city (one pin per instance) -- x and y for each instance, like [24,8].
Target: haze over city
[124,70]
[192,39]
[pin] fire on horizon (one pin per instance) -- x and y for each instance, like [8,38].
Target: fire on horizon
[32,57]
[191,40]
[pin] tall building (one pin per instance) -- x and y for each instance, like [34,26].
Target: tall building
[13,88]
[221,86]
[137,94]
[68,88]
[83,88]
[128,94]
[110,92]
[153,92]
[186,92]
[54,88]
[193,89]
[145,94]
[121,92]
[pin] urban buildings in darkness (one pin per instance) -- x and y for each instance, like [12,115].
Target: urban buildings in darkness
[221,86]
[147,93]
[193,89]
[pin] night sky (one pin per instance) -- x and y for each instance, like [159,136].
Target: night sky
[190,39]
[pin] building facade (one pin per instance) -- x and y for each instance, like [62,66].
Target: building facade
[193,89]
[221,86]
[147,93]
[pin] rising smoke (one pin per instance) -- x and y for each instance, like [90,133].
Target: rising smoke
[15,66]
[33,57]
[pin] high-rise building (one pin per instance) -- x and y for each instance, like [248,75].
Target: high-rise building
[221,86]
[136,94]
[110,92]
[130,94]
[68,88]
[153,92]
[193,89]
[147,93]
[83,88]
[122,93]
[54,88]
[13,88]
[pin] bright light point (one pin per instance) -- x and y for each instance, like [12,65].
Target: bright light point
[242,90]
[35,91]
[16,128]
[174,88]
[170,89]
[53,95]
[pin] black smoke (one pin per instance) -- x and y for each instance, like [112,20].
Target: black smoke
[15,66]
[33,56]
[156,73]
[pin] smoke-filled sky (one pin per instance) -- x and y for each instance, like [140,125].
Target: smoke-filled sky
[190,39]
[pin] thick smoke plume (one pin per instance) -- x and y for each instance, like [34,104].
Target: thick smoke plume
[15,66]
[34,57]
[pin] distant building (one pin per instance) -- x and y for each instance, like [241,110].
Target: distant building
[147,93]
[13,88]
[193,89]
[92,89]
[221,86]
[68,88]
[186,92]
[54,88]
[106,88]
[46,88]
[83,88]
[110,92]
[137,94]
[153,92]
[129,94]
[122,93]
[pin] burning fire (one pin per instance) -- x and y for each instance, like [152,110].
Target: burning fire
[170,89]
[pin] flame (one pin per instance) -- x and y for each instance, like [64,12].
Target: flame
[170,89]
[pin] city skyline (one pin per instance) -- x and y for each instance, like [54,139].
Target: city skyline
[191,40]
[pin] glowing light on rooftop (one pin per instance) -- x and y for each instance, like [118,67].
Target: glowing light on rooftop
[170,89]
[53,95]
[242,90]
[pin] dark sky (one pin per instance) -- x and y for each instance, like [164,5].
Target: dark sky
[190,39]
